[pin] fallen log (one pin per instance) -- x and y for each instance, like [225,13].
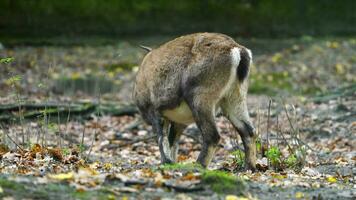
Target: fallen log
[54,111]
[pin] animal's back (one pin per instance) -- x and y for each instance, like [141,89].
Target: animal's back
[162,77]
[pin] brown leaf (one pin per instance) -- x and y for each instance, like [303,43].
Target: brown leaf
[56,153]
[190,177]
[3,149]
[36,148]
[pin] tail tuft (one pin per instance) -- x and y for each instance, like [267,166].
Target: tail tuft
[244,65]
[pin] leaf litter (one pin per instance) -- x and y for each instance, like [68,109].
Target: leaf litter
[119,157]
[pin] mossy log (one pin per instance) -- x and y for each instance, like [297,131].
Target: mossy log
[59,111]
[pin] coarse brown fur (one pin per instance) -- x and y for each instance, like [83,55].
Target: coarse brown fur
[190,79]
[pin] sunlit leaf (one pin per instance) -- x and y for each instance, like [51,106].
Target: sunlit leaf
[276,57]
[340,68]
[331,179]
[299,195]
[6,60]
[62,176]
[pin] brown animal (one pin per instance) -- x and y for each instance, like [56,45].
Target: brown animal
[191,79]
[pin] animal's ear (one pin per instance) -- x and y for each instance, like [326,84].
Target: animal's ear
[197,41]
[244,66]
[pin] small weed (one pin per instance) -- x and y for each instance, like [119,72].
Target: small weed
[65,151]
[274,156]
[291,161]
[14,80]
[81,148]
[239,158]
[6,60]
[258,145]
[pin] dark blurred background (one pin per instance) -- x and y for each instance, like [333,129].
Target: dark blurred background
[300,47]
[246,18]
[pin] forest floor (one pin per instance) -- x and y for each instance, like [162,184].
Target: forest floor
[302,101]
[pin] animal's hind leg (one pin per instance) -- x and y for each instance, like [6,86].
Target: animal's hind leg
[204,115]
[174,133]
[237,114]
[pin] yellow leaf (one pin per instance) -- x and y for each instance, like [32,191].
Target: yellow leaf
[111,197]
[233,197]
[332,45]
[1,190]
[62,176]
[125,198]
[75,75]
[269,78]
[331,179]
[299,195]
[87,171]
[340,69]
[107,166]
[111,74]
[276,58]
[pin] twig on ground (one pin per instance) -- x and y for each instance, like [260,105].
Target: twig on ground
[132,125]
[294,131]
[268,124]
[67,121]
[59,129]
[284,139]
[129,142]
[268,121]
[12,140]
[82,140]
[91,146]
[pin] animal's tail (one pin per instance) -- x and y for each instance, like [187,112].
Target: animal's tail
[148,49]
[244,65]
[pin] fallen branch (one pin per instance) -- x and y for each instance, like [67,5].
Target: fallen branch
[79,110]
[12,140]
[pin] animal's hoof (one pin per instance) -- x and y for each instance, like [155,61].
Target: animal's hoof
[201,163]
[167,161]
[250,167]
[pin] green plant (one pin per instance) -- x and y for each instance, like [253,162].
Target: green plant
[65,151]
[239,158]
[14,81]
[258,145]
[274,156]
[6,60]
[81,147]
[291,160]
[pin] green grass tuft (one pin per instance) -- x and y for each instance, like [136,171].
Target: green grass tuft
[223,182]
[183,167]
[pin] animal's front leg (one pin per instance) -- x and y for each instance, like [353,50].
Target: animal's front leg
[162,131]
[174,133]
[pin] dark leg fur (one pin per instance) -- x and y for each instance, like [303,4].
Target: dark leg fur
[174,133]
[204,118]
